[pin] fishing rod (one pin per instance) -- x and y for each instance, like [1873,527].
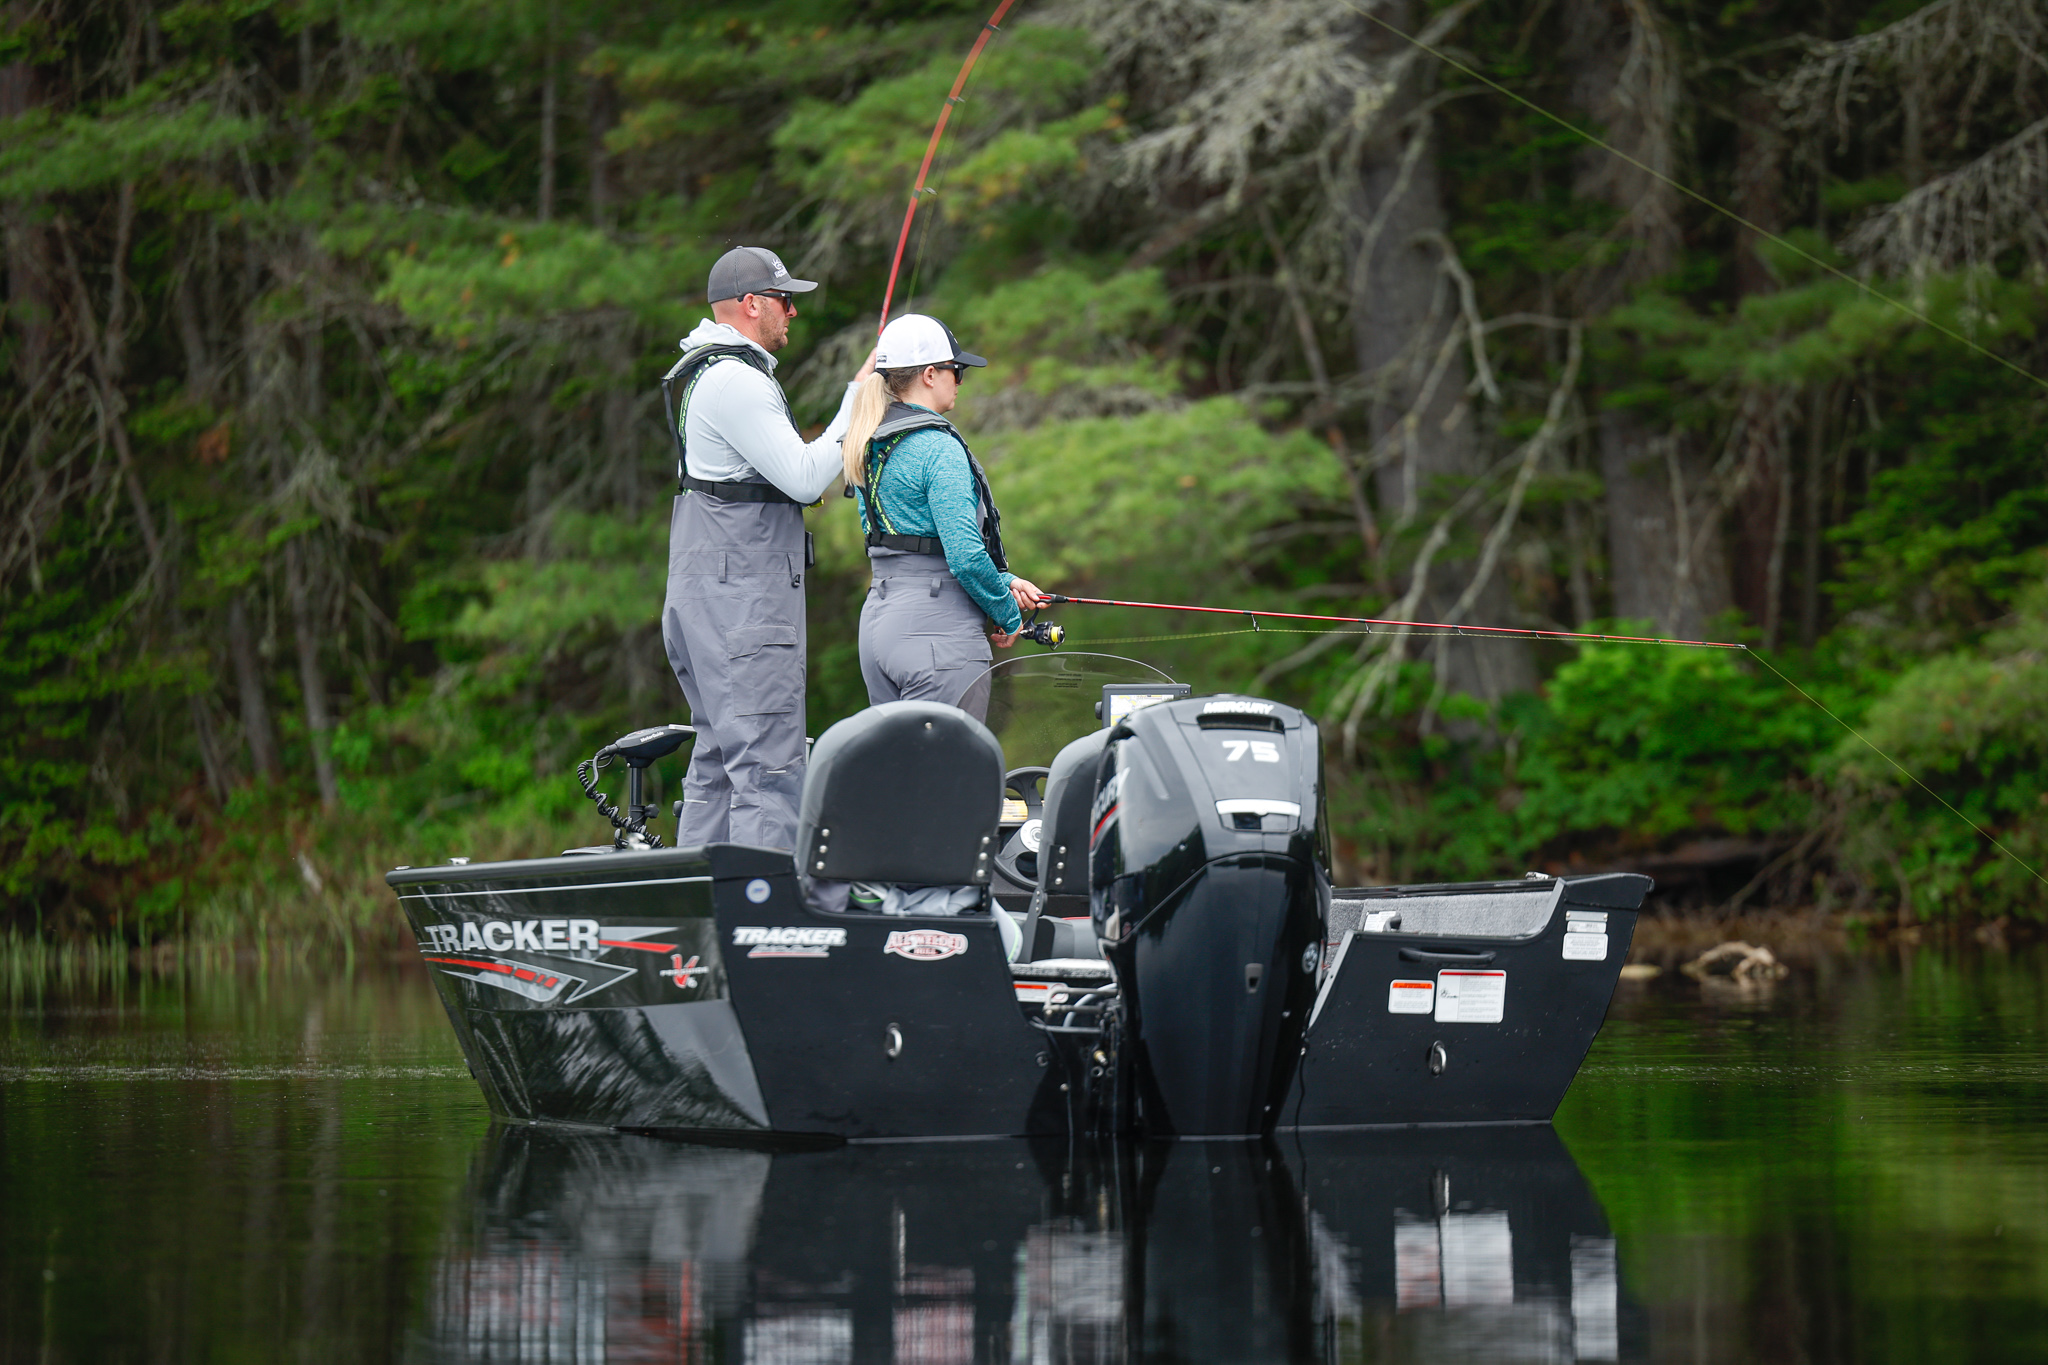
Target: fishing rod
[988,29]
[1400,627]
[1051,635]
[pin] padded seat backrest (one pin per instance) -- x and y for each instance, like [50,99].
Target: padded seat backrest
[909,792]
[1063,831]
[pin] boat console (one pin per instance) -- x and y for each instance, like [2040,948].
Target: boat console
[1134,931]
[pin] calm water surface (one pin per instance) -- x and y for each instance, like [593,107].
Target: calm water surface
[1850,1167]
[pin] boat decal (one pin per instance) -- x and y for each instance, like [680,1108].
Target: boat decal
[520,935]
[787,940]
[544,890]
[535,983]
[1471,997]
[1411,997]
[925,945]
[636,936]
[684,974]
[1105,808]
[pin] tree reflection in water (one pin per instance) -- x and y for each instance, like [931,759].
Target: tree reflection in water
[1469,1244]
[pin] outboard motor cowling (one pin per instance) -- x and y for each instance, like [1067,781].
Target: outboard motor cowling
[1209,887]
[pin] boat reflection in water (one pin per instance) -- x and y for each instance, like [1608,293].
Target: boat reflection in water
[1432,1244]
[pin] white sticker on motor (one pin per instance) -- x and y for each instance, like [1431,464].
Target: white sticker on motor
[1585,947]
[1411,997]
[1470,997]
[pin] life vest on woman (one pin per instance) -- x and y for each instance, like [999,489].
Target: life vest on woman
[898,422]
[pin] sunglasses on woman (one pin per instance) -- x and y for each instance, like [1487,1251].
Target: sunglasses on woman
[959,371]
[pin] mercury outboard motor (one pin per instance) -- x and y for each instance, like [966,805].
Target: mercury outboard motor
[1209,888]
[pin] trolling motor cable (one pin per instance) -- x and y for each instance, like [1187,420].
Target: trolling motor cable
[640,750]
[586,777]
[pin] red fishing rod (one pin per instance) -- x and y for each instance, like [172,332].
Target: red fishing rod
[1398,627]
[932,149]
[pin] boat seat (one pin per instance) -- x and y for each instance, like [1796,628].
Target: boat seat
[1061,898]
[904,798]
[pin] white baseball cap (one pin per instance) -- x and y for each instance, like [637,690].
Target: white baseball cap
[915,339]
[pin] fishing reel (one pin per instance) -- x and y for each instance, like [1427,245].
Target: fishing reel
[1047,633]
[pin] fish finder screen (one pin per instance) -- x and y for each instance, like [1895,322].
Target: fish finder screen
[1118,701]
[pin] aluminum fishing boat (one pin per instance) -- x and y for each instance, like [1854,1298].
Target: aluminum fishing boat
[1138,937]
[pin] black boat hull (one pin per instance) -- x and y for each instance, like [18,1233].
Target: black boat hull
[690,991]
[713,1002]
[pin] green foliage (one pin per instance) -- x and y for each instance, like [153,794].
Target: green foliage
[1136,500]
[1972,727]
[1626,745]
[1660,741]
[63,677]
[298,258]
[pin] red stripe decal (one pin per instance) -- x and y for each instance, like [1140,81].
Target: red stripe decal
[643,947]
[472,962]
[1095,837]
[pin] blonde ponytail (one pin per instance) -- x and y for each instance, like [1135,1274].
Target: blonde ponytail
[871,399]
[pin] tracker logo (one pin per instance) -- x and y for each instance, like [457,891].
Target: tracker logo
[925,945]
[789,940]
[515,936]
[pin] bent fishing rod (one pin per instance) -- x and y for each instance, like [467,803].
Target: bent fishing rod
[1395,627]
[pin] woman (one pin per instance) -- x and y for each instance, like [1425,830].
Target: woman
[932,530]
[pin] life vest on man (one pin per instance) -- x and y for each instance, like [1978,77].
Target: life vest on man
[898,422]
[686,372]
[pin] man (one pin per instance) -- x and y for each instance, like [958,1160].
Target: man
[733,621]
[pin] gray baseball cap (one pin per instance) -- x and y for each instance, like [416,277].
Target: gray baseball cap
[752,270]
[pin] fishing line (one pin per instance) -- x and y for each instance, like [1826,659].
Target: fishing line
[1439,630]
[1698,197]
[1396,628]
[988,29]
[1988,835]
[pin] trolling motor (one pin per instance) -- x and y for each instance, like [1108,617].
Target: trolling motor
[640,750]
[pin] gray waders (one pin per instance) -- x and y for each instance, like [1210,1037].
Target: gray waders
[733,626]
[921,636]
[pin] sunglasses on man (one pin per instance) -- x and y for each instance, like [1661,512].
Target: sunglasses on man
[788,301]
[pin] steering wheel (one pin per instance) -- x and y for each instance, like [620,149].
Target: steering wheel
[1017,860]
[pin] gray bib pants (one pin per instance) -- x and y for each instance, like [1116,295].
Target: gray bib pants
[922,638]
[733,626]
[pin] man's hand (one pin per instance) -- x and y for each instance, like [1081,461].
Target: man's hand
[1027,594]
[867,367]
[1002,641]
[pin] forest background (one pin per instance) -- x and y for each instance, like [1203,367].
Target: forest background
[334,490]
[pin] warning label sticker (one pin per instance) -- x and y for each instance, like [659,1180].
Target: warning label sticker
[1469,997]
[1411,997]
[1585,947]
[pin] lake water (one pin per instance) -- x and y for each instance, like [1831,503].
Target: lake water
[1852,1166]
